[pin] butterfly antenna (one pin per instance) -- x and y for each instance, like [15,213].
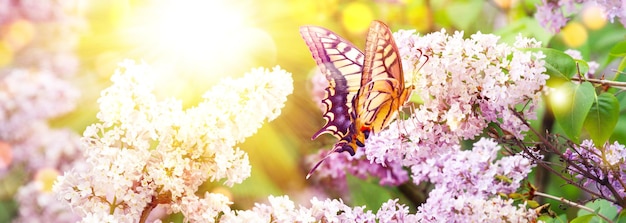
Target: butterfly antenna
[420,63]
[420,59]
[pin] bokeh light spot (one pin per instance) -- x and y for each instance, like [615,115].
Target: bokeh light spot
[224,191]
[560,97]
[574,34]
[6,155]
[6,54]
[593,17]
[46,177]
[503,4]
[356,17]
[19,33]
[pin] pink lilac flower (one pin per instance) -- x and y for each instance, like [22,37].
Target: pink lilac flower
[614,8]
[392,211]
[468,83]
[46,147]
[145,152]
[475,171]
[38,205]
[440,207]
[466,186]
[318,88]
[465,85]
[27,96]
[45,10]
[550,15]
[334,169]
[602,163]
[458,209]
[33,89]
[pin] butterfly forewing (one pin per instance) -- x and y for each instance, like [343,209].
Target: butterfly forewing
[382,83]
[342,64]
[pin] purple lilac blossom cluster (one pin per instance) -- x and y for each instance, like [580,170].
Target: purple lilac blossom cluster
[552,14]
[463,179]
[337,165]
[469,83]
[37,43]
[145,152]
[606,164]
[465,84]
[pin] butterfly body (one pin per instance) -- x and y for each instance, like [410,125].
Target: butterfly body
[365,89]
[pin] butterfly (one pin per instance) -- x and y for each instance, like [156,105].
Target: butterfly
[365,90]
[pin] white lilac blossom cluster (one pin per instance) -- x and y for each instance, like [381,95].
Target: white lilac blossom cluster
[145,152]
[553,14]
[461,209]
[599,164]
[37,44]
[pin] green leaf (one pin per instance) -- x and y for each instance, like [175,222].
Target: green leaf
[600,206]
[583,219]
[622,216]
[622,65]
[571,103]
[619,133]
[557,219]
[602,118]
[8,210]
[368,193]
[619,50]
[560,66]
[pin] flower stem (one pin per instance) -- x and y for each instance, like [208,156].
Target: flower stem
[568,202]
[146,211]
[615,84]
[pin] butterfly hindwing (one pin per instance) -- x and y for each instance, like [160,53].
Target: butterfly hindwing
[342,64]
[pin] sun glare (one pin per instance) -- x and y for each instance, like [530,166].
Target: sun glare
[198,41]
[560,97]
[197,28]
